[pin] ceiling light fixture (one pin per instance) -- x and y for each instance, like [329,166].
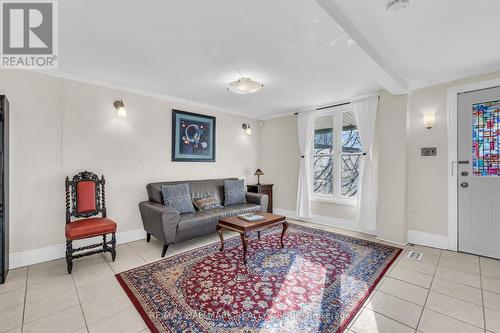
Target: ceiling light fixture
[393,7]
[244,86]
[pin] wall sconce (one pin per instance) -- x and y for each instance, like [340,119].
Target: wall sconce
[247,128]
[120,109]
[429,120]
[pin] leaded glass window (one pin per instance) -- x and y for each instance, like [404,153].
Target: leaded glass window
[485,139]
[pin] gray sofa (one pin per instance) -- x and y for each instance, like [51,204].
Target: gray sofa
[168,226]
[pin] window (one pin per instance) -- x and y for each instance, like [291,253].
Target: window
[485,139]
[336,157]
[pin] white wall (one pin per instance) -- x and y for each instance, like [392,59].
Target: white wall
[391,149]
[427,176]
[279,159]
[280,163]
[36,179]
[60,127]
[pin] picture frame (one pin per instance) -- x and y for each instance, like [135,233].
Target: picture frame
[193,137]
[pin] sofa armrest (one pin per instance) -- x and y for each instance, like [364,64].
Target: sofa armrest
[159,220]
[259,199]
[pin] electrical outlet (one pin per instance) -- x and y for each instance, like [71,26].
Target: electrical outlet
[428,151]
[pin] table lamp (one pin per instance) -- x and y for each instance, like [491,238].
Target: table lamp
[258,173]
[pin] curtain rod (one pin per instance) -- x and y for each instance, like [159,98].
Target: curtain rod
[332,106]
[329,106]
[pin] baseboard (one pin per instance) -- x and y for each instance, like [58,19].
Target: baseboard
[36,256]
[428,239]
[393,242]
[323,220]
[333,222]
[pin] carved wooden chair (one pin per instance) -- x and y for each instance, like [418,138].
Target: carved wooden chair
[85,198]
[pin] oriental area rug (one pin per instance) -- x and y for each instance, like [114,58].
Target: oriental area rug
[316,283]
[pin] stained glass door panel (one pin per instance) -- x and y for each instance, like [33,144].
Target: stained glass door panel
[486,139]
[478,171]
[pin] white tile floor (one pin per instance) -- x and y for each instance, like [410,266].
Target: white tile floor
[445,292]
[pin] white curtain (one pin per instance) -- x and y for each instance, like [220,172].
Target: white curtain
[305,127]
[365,112]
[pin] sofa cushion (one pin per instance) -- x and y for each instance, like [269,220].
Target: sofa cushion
[204,222]
[178,197]
[197,187]
[206,202]
[238,209]
[196,224]
[205,189]
[234,192]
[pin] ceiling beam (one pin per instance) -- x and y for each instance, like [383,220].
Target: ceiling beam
[388,78]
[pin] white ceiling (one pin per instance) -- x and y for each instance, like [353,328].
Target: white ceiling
[432,41]
[190,49]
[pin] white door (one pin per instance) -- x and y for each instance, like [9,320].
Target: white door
[479,172]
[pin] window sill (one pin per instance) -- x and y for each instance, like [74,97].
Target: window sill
[335,200]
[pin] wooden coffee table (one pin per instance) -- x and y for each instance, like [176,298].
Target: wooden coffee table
[242,227]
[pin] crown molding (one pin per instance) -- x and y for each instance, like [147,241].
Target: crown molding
[314,108]
[180,101]
[471,74]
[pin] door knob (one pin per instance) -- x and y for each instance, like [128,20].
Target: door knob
[464,184]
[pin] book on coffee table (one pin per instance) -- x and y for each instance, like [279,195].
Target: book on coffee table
[251,217]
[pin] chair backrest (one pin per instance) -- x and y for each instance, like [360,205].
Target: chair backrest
[85,195]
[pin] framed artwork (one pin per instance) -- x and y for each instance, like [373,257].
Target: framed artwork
[193,137]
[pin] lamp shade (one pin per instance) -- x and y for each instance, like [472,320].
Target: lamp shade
[429,120]
[258,172]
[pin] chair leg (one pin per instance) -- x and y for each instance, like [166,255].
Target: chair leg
[148,237]
[164,250]
[104,243]
[69,255]
[113,246]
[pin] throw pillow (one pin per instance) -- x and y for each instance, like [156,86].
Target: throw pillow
[234,192]
[206,203]
[178,197]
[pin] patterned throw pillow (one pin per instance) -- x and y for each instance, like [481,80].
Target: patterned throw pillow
[178,197]
[206,203]
[234,192]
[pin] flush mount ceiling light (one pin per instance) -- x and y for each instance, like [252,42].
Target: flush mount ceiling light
[393,7]
[244,86]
